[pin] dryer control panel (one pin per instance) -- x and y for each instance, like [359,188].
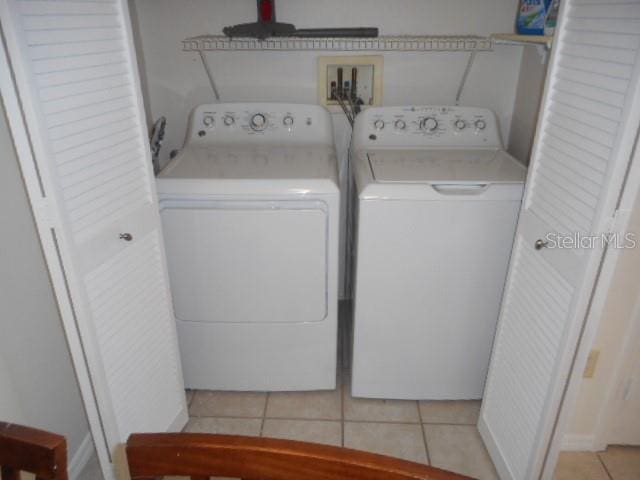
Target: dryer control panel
[427,127]
[231,123]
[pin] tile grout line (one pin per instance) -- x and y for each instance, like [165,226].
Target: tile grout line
[604,465]
[342,421]
[264,413]
[322,419]
[342,328]
[424,434]
[288,419]
[451,424]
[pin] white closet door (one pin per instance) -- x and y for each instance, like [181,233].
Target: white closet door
[585,136]
[75,72]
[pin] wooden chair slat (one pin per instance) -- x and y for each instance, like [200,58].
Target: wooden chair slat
[31,450]
[200,456]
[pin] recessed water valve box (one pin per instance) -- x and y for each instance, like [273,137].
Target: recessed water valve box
[358,78]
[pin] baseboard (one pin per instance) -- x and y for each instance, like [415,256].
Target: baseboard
[81,457]
[573,442]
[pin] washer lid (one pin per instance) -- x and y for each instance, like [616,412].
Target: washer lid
[445,166]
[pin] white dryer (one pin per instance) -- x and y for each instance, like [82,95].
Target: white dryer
[250,212]
[437,206]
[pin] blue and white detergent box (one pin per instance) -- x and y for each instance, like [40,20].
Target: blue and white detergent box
[532,16]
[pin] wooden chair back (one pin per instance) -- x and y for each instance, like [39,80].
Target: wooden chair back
[24,449]
[201,456]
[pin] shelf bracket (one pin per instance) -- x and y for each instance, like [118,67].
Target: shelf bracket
[542,43]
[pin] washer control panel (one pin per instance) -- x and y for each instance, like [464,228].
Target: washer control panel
[427,126]
[259,122]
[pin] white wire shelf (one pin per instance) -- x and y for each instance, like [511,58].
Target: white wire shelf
[514,39]
[444,43]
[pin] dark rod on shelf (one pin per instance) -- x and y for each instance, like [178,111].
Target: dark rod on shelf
[359,32]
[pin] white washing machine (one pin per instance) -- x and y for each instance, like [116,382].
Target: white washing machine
[438,200]
[250,212]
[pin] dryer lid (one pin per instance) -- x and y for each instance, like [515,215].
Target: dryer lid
[235,162]
[251,170]
[445,166]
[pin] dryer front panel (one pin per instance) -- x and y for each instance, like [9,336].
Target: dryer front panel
[247,261]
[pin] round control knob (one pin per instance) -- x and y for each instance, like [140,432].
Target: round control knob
[287,121]
[208,121]
[229,120]
[481,124]
[400,124]
[429,124]
[460,124]
[258,121]
[379,124]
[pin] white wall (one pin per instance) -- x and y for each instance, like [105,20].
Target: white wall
[10,408]
[176,80]
[37,382]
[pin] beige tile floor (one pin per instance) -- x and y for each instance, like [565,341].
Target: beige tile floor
[439,433]
[616,463]
[442,434]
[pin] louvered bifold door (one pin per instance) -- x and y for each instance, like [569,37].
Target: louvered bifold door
[75,71]
[589,120]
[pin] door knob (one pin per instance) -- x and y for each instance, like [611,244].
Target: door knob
[127,237]
[540,244]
